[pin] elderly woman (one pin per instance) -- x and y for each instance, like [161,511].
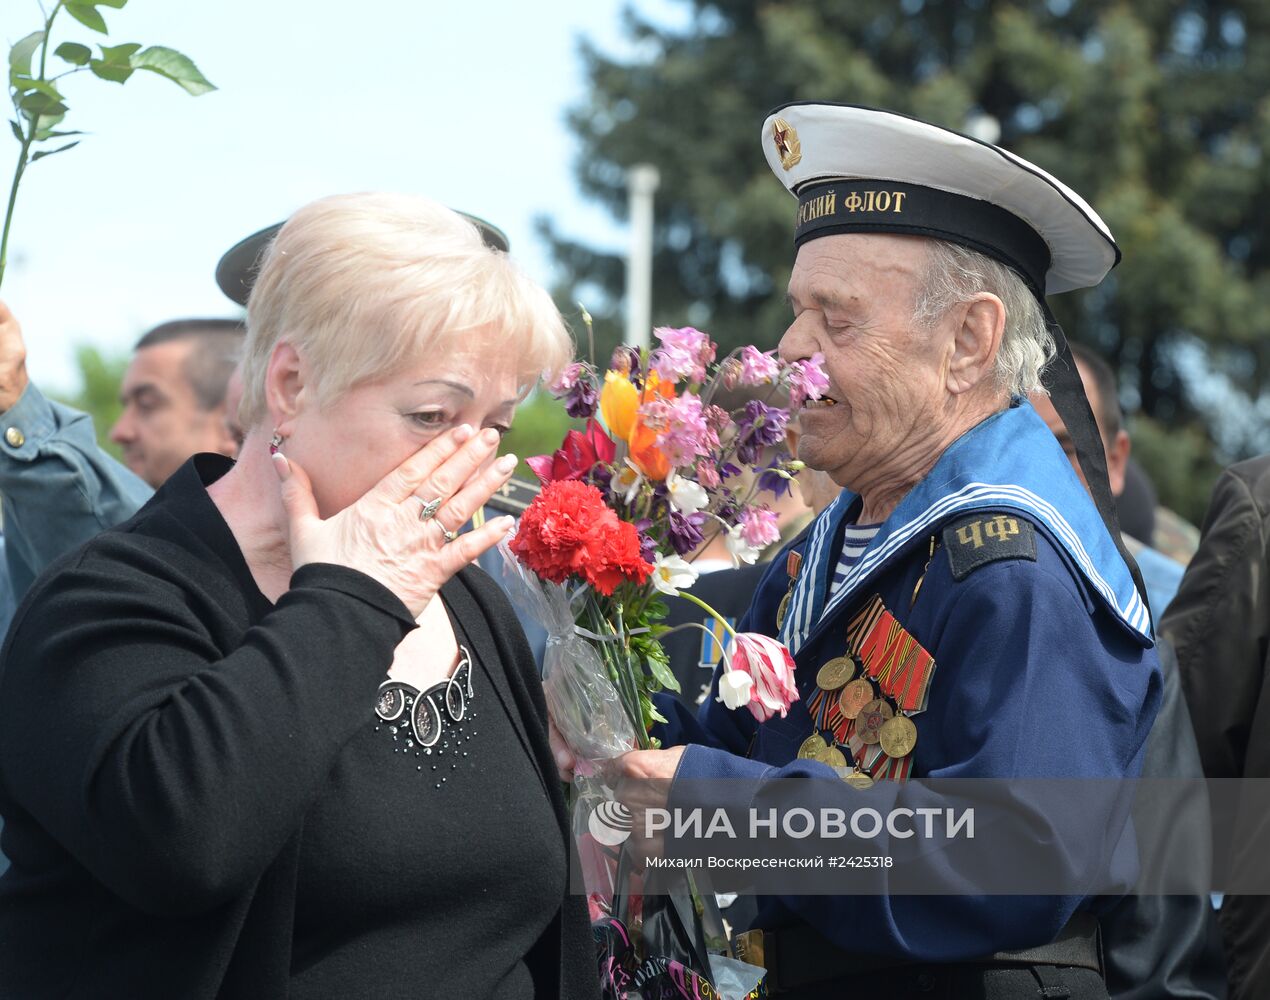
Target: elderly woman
[275,736]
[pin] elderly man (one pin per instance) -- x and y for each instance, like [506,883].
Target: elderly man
[962,538]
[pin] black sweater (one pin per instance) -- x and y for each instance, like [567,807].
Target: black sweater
[168,736]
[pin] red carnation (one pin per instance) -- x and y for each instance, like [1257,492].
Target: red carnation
[569,530]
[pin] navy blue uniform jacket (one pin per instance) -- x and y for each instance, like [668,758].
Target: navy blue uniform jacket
[1045,668]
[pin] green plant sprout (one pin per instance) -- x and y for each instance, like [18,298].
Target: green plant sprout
[38,104]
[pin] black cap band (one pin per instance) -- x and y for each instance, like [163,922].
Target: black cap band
[872,206]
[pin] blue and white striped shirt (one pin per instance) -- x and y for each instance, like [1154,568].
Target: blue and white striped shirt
[854,541]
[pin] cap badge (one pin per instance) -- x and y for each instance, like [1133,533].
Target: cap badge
[787,144]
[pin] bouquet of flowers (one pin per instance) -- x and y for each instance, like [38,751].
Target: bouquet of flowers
[624,504]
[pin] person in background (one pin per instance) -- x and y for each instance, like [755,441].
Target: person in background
[1219,623]
[1160,573]
[1154,945]
[58,488]
[174,396]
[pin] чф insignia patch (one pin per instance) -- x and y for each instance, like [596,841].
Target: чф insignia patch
[986,537]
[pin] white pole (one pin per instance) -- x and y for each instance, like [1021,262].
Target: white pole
[641,183]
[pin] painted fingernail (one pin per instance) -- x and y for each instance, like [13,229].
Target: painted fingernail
[506,463]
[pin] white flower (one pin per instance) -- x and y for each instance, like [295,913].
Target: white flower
[628,481]
[734,688]
[686,496]
[740,550]
[672,574]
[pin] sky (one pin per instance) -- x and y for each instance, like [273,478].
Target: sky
[461,101]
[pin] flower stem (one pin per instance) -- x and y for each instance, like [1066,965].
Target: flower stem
[708,610]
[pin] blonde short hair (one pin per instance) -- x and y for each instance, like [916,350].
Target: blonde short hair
[360,283]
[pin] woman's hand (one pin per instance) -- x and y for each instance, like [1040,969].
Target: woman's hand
[381,534]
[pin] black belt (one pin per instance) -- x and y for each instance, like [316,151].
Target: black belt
[801,956]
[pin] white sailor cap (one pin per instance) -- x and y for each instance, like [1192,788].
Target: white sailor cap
[857,169]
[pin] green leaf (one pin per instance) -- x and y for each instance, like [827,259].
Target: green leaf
[116,4]
[37,104]
[115,63]
[46,87]
[113,72]
[53,152]
[22,51]
[119,53]
[21,84]
[660,669]
[74,53]
[87,15]
[178,68]
[45,124]
[17,131]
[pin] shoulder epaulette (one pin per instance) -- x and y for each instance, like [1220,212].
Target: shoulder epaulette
[986,537]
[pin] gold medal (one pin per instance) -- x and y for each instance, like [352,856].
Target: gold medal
[858,779]
[898,736]
[833,757]
[835,673]
[854,697]
[869,723]
[784,606]
[813,746]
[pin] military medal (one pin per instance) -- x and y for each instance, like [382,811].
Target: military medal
[858,779]
[833,757]
[868,724]
[813,746]
[793,563]
[854,697]
[782,608]
[835,673]
[898,736]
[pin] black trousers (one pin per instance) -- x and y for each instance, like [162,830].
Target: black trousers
[958,982]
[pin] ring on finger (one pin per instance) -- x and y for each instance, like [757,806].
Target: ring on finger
[429,509]
[446,533]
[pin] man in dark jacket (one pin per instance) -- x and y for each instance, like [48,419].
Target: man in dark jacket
[1220,625]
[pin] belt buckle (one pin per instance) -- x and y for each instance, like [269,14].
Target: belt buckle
[749,948]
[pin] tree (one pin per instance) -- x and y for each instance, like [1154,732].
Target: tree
[1157,113]
[100,376]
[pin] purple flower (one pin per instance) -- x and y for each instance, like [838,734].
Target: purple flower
[685,435]
[684,353]
[771,480]
[577,387]
[647,547]
[759,527]
[685,531]
[626,361]
[807,380]
[757,367]
[728,470]
[759,427]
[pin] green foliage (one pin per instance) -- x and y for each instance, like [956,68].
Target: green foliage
[1180,462]
[1156,113]
[38,102]
[98,396]
[539,428]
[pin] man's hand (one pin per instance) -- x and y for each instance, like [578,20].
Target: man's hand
[642,781]
[13,378]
